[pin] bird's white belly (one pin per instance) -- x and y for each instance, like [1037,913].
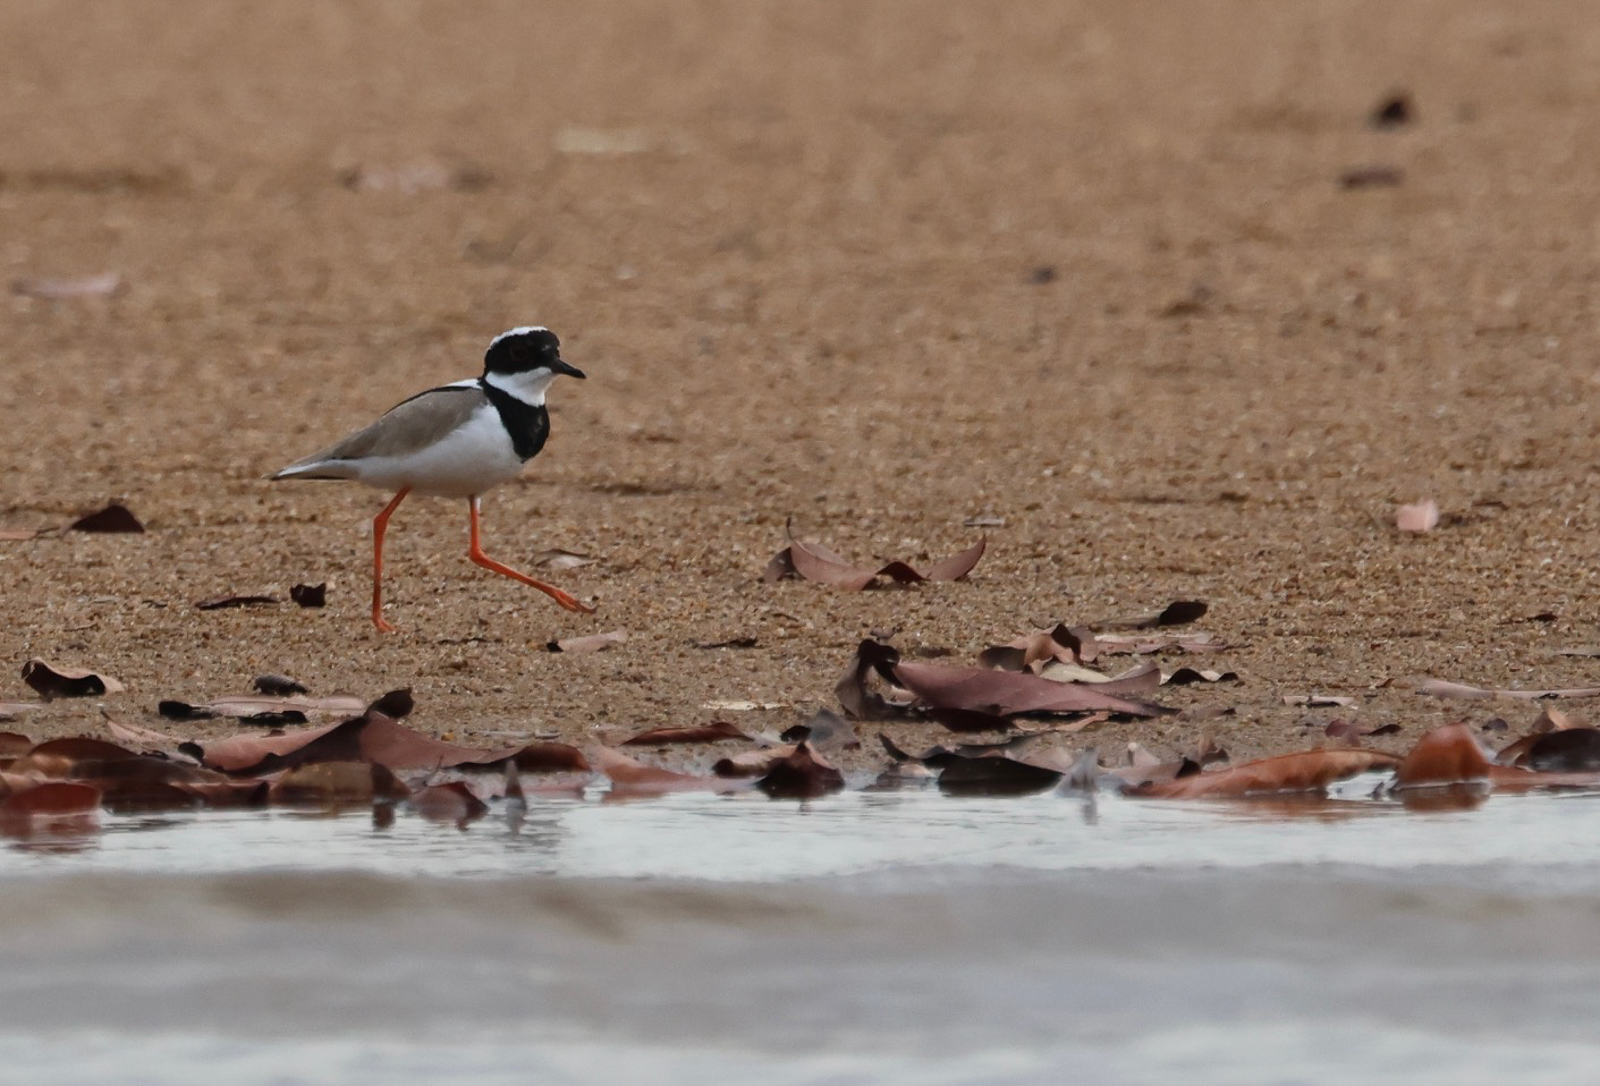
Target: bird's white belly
[467,461]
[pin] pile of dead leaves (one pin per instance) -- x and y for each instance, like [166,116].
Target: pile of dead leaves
[366,759]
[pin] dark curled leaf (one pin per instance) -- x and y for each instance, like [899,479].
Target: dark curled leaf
[182,710]
[396,704]
[274,718]
[994,777]
[219,602]
[1571,750]
[802,775]
[278,686]
[59,681]
[309,595]
[967,720]
[113,518]
[861,699]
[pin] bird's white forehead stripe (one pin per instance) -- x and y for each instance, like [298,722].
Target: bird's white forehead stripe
[524,330]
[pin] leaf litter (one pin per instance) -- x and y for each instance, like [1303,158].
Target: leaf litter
[811,561]
[1036,692]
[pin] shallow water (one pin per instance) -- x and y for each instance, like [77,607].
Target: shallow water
[866,937]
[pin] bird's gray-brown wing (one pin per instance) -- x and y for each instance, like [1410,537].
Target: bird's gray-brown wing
[405,428]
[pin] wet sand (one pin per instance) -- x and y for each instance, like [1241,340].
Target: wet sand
[1089,270]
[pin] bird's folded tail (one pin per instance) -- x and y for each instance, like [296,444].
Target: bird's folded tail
[317,469]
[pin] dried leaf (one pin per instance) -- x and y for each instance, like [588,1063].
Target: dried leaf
[1421,517]
[1348,731]
[49,800]
[1176,613]
[995,776]
[113,518]
[864,700]
[1319,701]
[309,595]
[704,733]
[218,603]
[12,744]
[278,686]
[1306,771]
[58,681]
[1441,688]
[10,710]
[815,562]
[730,643]
[549,758]
[629,776]
[825,731]
[1369,177]
[589,643]
[963,721]
[1392,112]
[137,735]
[752,763]
[802,775]
[86,286]
[453,803]
[395,704]
[336,783]
[1568,750]
[1186,675]
[1006,693]
[558,559]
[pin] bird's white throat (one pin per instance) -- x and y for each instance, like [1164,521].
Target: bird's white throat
[528,387]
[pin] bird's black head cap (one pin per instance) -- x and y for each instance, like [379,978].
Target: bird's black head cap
[525,349]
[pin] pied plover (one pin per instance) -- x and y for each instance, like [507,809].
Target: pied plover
[455,441]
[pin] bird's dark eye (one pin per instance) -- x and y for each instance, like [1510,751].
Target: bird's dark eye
[520,352]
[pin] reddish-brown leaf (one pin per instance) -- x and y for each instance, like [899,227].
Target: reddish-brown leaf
[703,733]
[1306,771]
[1447,755]
[549,758]
[752,763]
[453,802]
[1008,693]
[815,562]
[334,783]
[53,798]
[633,777]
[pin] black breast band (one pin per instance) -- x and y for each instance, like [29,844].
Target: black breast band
[528,425]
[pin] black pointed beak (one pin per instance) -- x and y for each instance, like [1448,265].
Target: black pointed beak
[570,371]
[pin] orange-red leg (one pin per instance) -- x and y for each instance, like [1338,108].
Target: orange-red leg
[380,525]
[571,603]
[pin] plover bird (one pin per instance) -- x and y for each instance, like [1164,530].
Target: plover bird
[455,441]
